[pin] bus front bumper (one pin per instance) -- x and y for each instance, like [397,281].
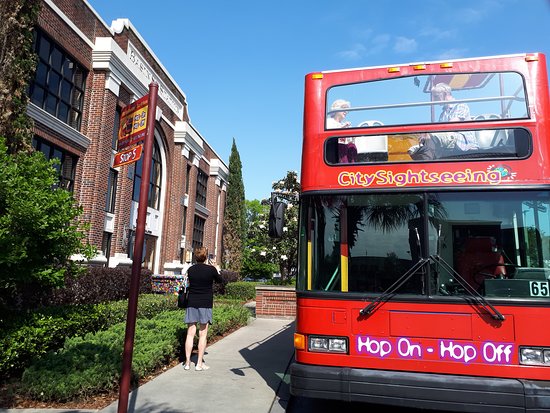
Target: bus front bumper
[420,390]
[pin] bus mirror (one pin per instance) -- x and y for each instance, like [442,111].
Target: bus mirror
[276,219]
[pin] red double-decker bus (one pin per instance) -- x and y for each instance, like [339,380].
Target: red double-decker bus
[424,236]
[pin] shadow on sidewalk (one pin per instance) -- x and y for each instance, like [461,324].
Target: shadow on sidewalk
[271,356]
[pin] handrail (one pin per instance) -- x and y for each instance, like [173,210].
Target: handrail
[431,103]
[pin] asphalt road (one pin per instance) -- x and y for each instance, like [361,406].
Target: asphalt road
[307,405]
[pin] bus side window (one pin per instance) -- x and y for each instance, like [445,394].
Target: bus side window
[372,148]
[489,138]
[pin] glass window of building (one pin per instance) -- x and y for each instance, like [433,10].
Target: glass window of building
[111,191]
[59,82]
[202,184]
[198,231]
[67,162]
[116,125]
[155,179]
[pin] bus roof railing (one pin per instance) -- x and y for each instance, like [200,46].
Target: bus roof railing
[431,103]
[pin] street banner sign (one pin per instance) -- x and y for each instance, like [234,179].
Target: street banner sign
[128,156]
[133,123]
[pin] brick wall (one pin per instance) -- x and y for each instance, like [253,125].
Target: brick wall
[73,26]
[275,302]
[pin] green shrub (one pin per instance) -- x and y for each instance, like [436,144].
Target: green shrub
[32,335]
[92,364]
[46,330]
[98,285]
[94,285]
[227,277]
[241,290]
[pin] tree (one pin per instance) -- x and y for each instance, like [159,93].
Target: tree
[287,246]
[234,226]
[38,227]
[259,254]
[38,221]
[17,65]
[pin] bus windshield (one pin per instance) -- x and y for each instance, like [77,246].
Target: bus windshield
[498,243]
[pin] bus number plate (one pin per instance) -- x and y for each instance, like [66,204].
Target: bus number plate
[539,288]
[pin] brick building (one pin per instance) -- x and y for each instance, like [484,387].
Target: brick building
[87,72]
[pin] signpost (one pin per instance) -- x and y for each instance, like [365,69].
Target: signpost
[145,106]
[128,156]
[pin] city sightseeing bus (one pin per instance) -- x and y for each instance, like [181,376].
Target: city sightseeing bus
[424,281]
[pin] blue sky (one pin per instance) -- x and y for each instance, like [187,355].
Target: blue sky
[242,63]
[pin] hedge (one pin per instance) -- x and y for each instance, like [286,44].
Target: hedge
[32,335]
[91,364]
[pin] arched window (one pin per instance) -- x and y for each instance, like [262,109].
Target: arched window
[155,179]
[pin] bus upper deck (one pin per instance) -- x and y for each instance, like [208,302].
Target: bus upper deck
[394,120]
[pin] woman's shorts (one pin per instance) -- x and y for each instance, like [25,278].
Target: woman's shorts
[198,315]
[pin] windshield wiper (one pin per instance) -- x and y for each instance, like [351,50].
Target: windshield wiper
[497,315]
[387,294]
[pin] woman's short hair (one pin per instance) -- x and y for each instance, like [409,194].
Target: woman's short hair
[200,254]
[339,104]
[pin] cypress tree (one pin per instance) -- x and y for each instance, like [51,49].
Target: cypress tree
[234,226]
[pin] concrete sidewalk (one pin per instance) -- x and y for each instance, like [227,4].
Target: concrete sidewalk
[247,375]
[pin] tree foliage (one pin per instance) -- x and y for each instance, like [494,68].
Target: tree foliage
[38,229]
[17,65]
[260,253]
[234,226]
[287,246]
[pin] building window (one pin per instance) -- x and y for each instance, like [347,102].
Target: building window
[114,142]
[154,180]
[202,182]
[198,231]
[184,221]
[111,191]
[106,245]
[67,162]
[58,84]
[187,176]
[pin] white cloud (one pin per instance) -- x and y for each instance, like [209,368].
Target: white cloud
[379,43]
[404,45]
[437,34]
[452,54]
[355,52]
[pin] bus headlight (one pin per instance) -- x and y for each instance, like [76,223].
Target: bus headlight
[534,356]
[328,344]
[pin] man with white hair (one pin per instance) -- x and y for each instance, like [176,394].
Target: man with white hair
[451,112]
[432,145]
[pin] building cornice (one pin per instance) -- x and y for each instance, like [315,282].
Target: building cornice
[185,134]
[107,55]
[218,168]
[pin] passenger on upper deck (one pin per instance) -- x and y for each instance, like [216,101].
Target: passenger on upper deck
[451,112]
[336,119]
[432,145]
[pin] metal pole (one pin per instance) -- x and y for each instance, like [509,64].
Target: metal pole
[138,252]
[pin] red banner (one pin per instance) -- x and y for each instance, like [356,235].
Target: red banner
[133,123]
[129,156]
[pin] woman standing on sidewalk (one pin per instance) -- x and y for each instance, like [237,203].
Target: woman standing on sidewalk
[201,277]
